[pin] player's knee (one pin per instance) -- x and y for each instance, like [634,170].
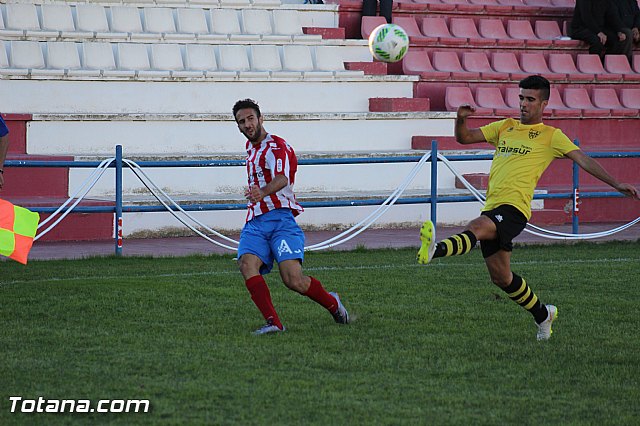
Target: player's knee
[295,280]
[482,227]
[246,267]
[295,283]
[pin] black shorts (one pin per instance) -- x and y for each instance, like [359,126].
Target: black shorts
[509,222]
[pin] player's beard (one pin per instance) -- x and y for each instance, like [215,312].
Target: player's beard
[256,136]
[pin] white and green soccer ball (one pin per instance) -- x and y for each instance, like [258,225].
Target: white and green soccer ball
[388,43]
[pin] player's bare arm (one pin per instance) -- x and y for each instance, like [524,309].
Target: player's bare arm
[255,193]
[594,168]
[464,134]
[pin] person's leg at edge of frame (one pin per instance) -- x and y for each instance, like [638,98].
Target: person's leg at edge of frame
[249,265]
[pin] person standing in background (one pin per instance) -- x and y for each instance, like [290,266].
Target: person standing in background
[369,8]
[4,147]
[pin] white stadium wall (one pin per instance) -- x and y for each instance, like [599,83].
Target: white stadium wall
[161,114]
[211,136]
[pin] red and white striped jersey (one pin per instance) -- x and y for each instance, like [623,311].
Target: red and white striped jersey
[273,156]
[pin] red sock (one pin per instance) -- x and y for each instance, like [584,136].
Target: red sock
[262,298]
[318,294]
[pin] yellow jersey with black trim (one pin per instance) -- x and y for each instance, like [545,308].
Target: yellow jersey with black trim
[523,153]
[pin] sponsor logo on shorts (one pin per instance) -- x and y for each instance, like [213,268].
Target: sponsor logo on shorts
[499,218]
[284,248]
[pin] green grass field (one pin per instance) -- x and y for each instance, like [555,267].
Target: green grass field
[436,344]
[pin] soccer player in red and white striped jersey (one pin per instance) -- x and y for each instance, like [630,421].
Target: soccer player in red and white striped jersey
[272,154]
[271,232]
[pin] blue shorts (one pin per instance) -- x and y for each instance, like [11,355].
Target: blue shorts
[274,235]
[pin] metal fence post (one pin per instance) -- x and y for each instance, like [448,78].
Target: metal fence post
[118,216]
[434,180]
[576,194]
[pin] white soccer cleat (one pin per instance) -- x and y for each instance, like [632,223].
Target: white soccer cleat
[268,328]
[544,328]
[428,243]
[341,316]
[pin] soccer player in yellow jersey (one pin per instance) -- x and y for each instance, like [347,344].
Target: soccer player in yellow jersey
[524,149]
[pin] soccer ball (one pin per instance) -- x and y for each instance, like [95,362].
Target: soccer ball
[388,43]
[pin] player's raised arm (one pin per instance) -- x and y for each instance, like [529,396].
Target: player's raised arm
[464,134]
[594,168]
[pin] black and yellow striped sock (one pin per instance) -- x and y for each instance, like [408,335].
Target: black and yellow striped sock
[456,245]
[522,294]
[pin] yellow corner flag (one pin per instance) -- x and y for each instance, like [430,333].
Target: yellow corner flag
[17,228]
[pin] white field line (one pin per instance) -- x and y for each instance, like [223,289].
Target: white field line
[446,264]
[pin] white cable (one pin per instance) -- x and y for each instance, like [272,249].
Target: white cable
[382,209]
[216,233]
[84,194]
[565,236]
[479,196]
[370,219]
[135,168]
[365,222]
[549,233]
[103,165]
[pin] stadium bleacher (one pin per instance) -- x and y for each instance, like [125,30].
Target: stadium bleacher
[160,76]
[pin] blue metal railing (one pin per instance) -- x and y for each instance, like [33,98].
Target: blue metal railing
[118,208]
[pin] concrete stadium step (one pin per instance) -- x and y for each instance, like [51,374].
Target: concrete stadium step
[74,227]
[339,95]
[399,104]
[477,180]
[623,169]
[204,134]
[17,125]
[558,211]
[337,218]
[550,217]
[345,176]
[36,181]
[99,226]
[326,33]
[593,210]
[302,197]
[444,142]
[369,68]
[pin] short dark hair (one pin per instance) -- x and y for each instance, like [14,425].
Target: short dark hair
[537,82]
[246,103]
